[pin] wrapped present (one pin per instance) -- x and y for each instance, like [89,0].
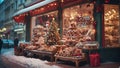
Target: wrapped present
[94,59]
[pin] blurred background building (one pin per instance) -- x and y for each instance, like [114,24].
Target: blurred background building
[8,27]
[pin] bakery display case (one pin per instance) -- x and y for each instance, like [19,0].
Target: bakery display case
[68,53]
[44,36]
[78,27]
[38,46]
[112,25]
[78,23]
[91,45]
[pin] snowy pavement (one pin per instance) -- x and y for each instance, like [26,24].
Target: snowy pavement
[24,61]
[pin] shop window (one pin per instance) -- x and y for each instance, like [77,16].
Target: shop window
[78,23]
[47,18]
[45,21]
[112,25]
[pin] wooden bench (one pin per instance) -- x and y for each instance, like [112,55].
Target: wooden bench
[76,60]
[44,53]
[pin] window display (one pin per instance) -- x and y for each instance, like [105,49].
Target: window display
[45,32]
[112,25]
[78,23]
[46,20]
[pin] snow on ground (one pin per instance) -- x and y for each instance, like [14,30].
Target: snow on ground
[24,61]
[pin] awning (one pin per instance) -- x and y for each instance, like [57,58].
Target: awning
[33,7]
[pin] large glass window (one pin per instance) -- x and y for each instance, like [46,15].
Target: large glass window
[78,23]
[44,20]
[112,25]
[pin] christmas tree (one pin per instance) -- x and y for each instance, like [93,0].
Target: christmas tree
[53,36]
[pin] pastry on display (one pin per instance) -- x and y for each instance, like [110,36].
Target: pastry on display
[79,45]
[31,47]
[43,48]
[80,25]
[24,45]
[69,52]
[85,31]
[52,48]
[111,22]
[77,52]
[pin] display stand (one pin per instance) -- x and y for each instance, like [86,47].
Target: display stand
[91,47]
[44,53]
[76,60]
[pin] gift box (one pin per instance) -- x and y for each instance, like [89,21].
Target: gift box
[94,59]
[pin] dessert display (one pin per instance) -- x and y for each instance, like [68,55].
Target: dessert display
[79,24]
[43,41]
[111,21]
[77,29]
[78,32]
[37,38]
[69,52]
[90,45]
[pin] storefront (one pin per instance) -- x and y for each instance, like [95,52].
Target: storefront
[19,31]
[111,25]
[80,21]
[107,16]
[44,19]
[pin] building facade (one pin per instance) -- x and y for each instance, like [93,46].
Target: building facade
[103,14]
[1,18]
[9,28]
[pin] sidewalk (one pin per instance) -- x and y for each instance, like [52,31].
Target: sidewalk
[5,63]
[11,61]
[9,64]
[72,65]
[1,63]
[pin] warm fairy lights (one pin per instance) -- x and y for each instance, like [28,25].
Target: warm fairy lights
[20,18]
[48,7]
[43,9]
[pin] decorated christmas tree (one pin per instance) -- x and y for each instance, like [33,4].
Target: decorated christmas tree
[53,36]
